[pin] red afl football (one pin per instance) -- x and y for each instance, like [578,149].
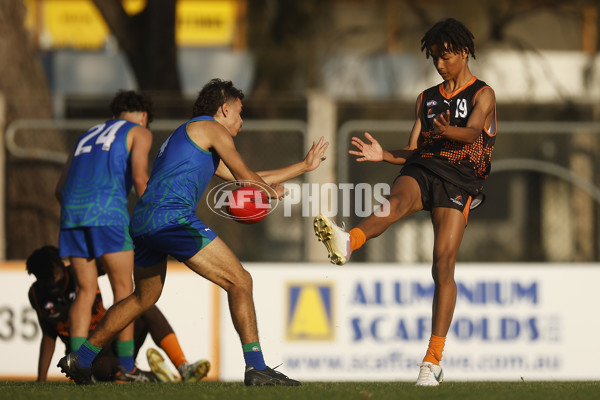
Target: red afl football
[248,205]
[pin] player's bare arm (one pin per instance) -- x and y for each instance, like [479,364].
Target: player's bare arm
[415,133]
[223,172]
[141,142]
[373,151]
[481,118]
[313,159]
[400,156]
[47,347]
[210,134]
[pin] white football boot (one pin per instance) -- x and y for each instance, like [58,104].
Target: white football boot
[430,374]
[335,239]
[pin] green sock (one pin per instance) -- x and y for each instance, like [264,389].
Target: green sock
[255,346]
[76,342]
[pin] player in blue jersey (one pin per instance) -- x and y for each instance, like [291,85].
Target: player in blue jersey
[164,223]
[107,161]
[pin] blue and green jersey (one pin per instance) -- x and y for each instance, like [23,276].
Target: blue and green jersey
[181,172]
[99,179]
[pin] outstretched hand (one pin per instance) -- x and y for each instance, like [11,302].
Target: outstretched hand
[367,152]
[316,154]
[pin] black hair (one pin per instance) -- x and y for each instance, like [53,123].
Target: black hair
[129,100]
[213,95]
[41,262]
[449,34]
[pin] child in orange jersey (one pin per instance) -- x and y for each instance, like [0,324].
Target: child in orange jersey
[445,164]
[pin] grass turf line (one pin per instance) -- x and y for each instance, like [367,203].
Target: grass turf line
[21,390]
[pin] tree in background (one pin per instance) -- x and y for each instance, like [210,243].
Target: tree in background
[287,38]
[30,212]
[22,79]
[148,40]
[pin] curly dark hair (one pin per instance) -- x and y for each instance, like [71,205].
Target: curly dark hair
[129,100]
[213,95]
[450,35]
[41,262]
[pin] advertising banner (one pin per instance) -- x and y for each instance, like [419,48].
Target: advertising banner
[78,24]
[372,322]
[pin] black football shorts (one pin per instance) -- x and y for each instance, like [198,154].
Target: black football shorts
[437,192]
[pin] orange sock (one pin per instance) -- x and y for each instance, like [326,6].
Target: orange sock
[435,350]
[171,346]
[357,238]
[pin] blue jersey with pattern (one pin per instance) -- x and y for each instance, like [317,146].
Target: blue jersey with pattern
[181,172]
[99,179]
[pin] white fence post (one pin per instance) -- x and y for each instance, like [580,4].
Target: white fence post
[322,121]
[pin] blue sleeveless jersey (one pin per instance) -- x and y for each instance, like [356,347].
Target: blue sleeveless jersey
[99,179]
[181,173]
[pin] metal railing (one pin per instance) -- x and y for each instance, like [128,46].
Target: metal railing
[505,160]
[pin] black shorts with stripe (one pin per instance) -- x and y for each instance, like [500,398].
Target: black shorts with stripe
[437,192]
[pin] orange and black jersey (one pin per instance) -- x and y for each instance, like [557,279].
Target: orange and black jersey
[53,310]
[466,165]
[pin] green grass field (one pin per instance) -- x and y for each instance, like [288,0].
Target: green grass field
[17,390]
